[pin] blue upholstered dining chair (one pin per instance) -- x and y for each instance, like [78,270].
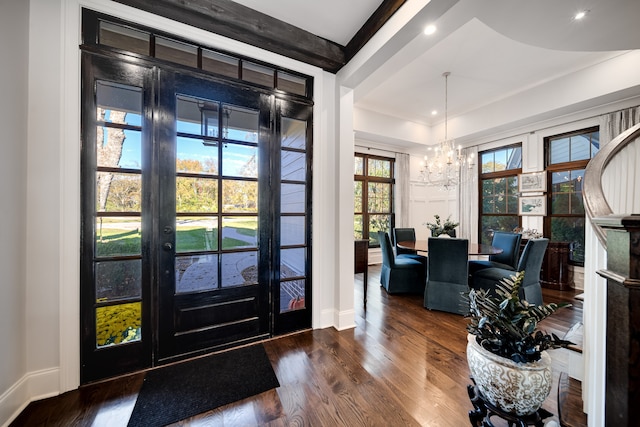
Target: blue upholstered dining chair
[404,235]
[399,275]
[508,259]
[447,275]
[407,235]
[530,261]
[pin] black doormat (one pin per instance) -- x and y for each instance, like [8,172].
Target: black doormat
[186,389]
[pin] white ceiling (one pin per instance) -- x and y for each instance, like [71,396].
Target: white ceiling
[335,20]
[493,48]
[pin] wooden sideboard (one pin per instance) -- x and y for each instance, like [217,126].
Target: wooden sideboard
[555,272]
[361,263]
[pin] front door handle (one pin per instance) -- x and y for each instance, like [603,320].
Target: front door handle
[167,246]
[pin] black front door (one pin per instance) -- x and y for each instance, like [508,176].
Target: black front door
[212,141]
[195,215]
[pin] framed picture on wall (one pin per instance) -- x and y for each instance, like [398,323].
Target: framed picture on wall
[532,205]
[530,182]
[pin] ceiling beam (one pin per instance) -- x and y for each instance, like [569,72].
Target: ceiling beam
[246,25]
[383,13]
[241,23]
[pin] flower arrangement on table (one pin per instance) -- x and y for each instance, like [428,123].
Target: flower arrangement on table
[438,228]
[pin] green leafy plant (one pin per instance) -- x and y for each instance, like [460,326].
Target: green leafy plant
[437,228]
[506,325]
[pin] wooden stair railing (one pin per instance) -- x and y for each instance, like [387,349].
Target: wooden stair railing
[596,205]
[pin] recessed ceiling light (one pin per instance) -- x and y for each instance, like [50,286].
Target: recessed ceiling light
[430,29]
[434,112]
[580,15]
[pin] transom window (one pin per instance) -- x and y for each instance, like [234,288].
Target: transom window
[114,33]
[567,157]
[499,190]
[373,197]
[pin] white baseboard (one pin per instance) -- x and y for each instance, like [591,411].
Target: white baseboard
[345,320]
[32,386]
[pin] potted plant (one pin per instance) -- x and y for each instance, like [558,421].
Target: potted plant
[439,229]
[506,352]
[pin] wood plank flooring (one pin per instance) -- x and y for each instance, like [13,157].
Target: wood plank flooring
[402,365]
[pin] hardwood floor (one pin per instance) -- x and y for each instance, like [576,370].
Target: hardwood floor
[401,365]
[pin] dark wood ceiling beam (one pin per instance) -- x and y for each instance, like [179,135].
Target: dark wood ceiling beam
[383,13]
[241,23]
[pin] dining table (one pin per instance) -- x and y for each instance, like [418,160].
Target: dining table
[474,248]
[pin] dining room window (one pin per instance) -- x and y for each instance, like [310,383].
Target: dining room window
[373,197]
[499,169]
[567,156]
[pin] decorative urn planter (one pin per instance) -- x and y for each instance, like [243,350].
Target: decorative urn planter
[517,388]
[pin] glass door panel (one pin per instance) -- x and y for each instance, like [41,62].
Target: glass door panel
[292,308]
[210,293]
[114,277]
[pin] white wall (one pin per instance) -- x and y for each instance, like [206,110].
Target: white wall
[14,49]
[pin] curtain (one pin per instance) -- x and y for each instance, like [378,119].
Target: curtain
[620,177]
[402,190]
[613,124]
[468,196]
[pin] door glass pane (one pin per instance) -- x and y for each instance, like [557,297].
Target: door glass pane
[239,232]
[239,160]
[175,51]
[292,230]
[240,268]
[196,273]
[196,116]
[292,262]
[196,195]
[118,103]
[118,192]
[219,63]
[117,236]
[292,293]
[124,38]
[117,148]
[240,124]
[117,280]
[194,234]
[292,198]
[257,74]
[294,133]
[294,166]
[239,196]
[292,84]
[118,324]
[196,156]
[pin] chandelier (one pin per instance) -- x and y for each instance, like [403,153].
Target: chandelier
[442,169]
